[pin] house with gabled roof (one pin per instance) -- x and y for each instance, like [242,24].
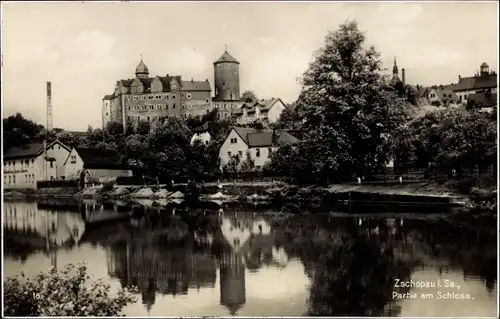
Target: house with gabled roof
[96,164]
[28,164]
[485,81]
[259,144]
[267,110]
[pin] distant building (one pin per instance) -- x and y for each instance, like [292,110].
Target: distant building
[26,165]
[483,82]
[266,110]
[201,134]
[442,97]
[259,143]
[153,99]
[99,165]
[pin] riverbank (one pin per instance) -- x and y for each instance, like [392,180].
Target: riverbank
[464,193]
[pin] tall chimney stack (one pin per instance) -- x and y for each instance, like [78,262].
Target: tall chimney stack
[403,76]
[49,107]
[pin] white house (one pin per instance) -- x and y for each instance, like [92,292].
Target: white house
[258,143]
[99,165]
[25,165]
[442,97]
[267,110]
[201,134]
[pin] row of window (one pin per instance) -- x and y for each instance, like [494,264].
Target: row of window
[24,163]
[224,105]
[257,151]
[11,179]
[158,97]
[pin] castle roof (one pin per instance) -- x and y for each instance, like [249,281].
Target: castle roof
[142,68]
[28,150]
[226,57]
[166,80]
[264,105]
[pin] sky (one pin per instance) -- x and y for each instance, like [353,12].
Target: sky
[84,48]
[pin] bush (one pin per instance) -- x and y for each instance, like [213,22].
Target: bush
[62,293]
[107,187]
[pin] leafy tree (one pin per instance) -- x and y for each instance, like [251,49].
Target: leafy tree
[143,127]
[232,168]
[17,130]
[248,164]
[249,96]
[62,293]
[114,128]
[348,117]
[289,117]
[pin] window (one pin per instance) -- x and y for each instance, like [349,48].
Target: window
[10,180]
[52,178]
[207,100]
[229,154]
[151,97]
[27,162]
[269,151]
[189,105]
[59,147]
[32,161]
[26,178]
[173,106]
[173,96]
[135,98]
[158,97]
[73,158]
[148,118]
[151,107]
[234,140]
[63,177]
[158,106]
[13,179]
[257,152]
[189,96]
[165,96]
[33,177]
[143,97]
[51,164]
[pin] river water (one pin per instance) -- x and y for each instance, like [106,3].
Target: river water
[251,261]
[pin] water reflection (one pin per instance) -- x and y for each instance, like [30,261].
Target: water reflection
[213,261]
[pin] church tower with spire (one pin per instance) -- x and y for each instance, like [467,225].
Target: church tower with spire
[395,81]
[226,78]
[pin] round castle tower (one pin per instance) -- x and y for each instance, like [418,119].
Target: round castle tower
[227,78]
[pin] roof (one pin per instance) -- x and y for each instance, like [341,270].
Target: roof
[99,159]
[107,97]
[165,80]
[142,68]
[226,57]
[264,105]
[476,83]
[264,138]
[202,128]
[483,99]
[196,85]
[444,94]
[28,150]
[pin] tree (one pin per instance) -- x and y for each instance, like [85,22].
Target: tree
[143,127]
[18,130]
[348,117]
[249,96]
[288,118]
[248,164]
[62,293]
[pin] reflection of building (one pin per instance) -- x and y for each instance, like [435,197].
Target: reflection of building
[232,283]
[57,227]
[251,244]
[151,268]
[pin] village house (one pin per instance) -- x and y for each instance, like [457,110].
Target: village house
[26,165]
[201,133]
[99,165]
[481,83]
[260,144]
[266,110]
[441,96]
